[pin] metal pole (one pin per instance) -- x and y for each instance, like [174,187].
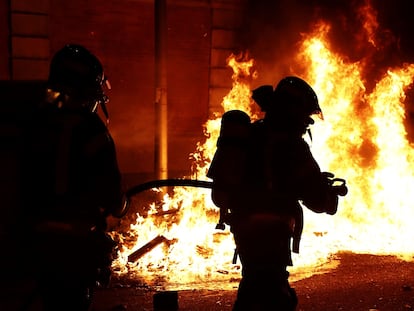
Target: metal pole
[161,126]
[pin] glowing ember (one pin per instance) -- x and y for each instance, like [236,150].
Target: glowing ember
[362,139]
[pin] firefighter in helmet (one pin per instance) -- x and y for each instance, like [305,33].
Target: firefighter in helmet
[263,209]
[72,182]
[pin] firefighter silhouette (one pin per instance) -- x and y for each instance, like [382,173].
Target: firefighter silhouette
[71,183]
[261,171]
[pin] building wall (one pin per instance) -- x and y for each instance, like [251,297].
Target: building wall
[29,43]
[121,34]
[4,40]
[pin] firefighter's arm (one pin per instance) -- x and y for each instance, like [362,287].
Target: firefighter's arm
[108,183]
[319,191]
[221,199]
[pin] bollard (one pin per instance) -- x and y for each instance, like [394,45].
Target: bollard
[165,301]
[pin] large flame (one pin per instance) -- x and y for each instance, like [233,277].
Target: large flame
[362,139]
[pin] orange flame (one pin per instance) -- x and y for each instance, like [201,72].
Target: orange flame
[362,139]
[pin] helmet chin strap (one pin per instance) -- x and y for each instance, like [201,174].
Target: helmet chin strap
[104,110]
[309,133]
[105,99]
[100,103]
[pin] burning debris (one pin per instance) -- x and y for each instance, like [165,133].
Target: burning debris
[134,256]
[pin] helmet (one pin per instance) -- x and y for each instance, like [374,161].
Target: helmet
[297,96]
[78,75]
[290,105]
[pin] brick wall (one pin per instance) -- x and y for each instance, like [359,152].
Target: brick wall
[4,40]
[29,39]
[121,34]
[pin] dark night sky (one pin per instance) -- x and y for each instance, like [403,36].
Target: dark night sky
[272,28]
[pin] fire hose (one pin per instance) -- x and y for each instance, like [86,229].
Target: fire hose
[173,182]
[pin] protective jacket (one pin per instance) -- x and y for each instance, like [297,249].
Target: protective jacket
[271,172]
[71,183]
[71,170]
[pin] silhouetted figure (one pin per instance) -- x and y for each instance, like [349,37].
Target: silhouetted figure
[71,183]
[260,172]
